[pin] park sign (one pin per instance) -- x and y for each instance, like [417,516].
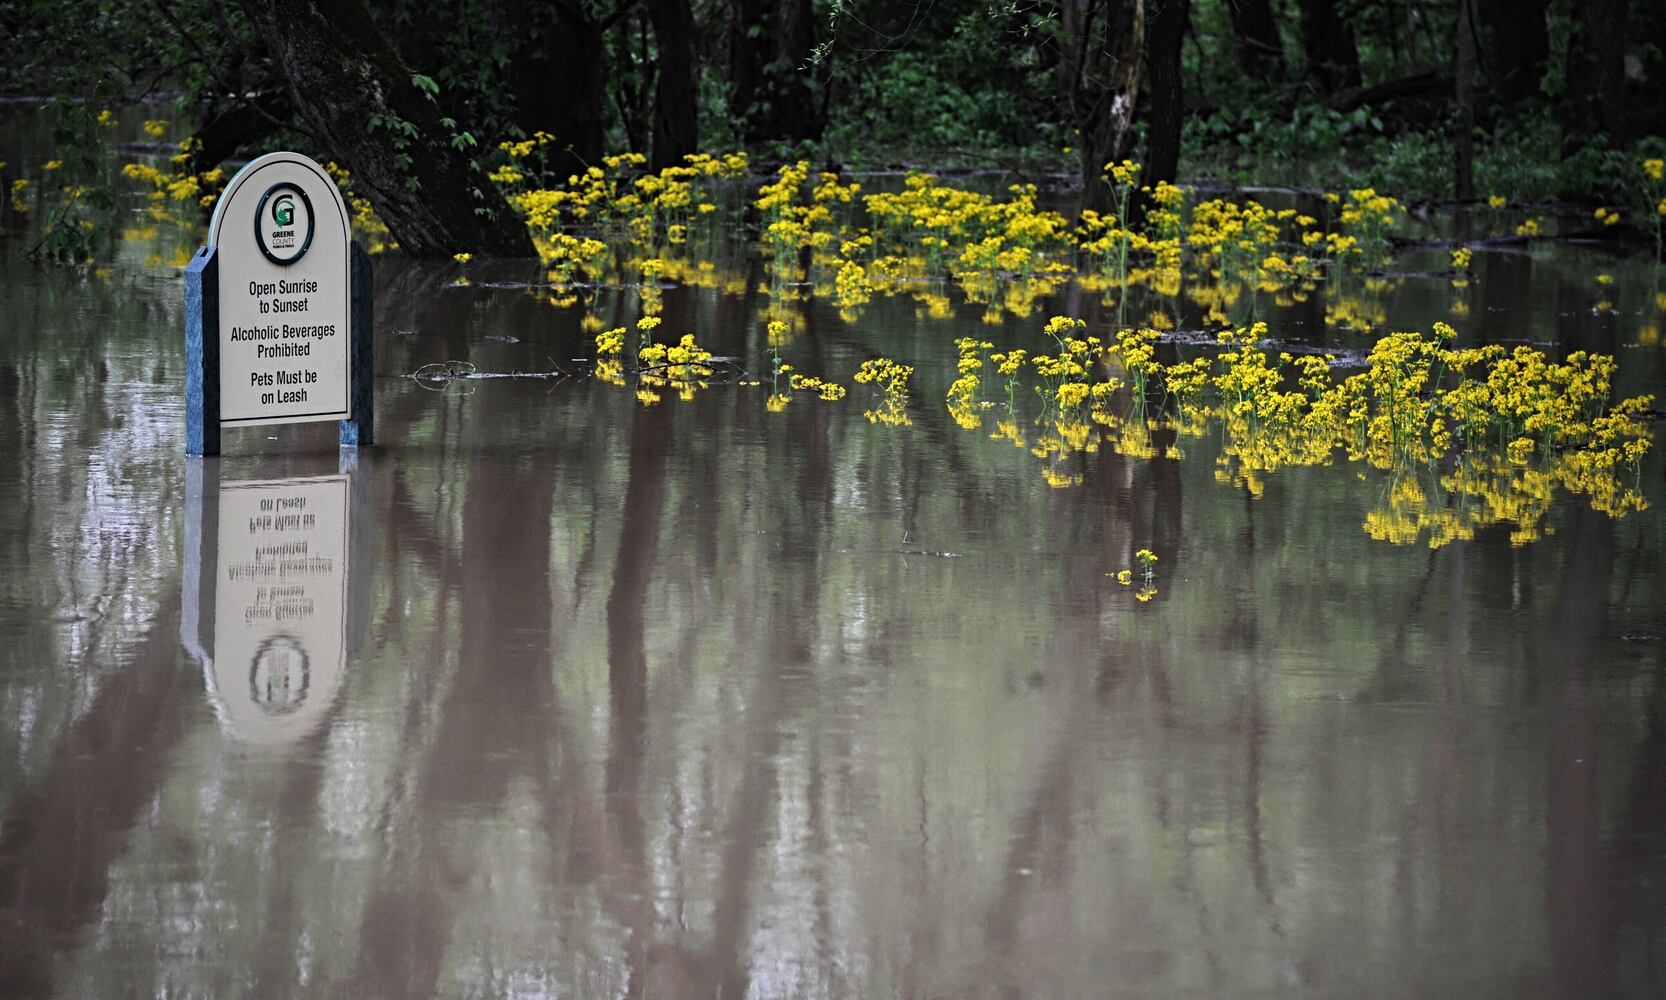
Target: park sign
[277,309]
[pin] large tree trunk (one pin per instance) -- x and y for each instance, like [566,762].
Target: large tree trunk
[769,54]
[1260,47]
[342,76]
[750,49]
[221,135]
[676,114]
[1463,73]
[1328,47]
[1101,45]
[794,104]
[1594,102]
[1167,32]
[1520,46]
[556,75]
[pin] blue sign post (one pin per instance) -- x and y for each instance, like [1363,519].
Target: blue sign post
[278,309]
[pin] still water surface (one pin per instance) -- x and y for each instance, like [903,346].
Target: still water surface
[584,698]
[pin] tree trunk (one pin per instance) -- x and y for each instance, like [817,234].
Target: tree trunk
[1328,47]
[769,53]
[1101,44]
[1463,73]
[794,104]
[1162,66]
[221,135]
[556,75]
[1593,104]
[343,76]
[751,43]
[1260,47]
[676,114]
[1520,46]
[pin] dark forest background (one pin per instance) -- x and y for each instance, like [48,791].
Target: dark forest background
[1429,99]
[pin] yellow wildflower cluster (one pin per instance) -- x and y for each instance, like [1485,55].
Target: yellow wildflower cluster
[1500,428]
[891,379]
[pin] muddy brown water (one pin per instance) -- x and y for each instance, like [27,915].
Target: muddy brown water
[562,695]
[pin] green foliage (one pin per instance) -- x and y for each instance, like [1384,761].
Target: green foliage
[77,196]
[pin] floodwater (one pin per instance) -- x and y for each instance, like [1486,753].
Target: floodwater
[564,695]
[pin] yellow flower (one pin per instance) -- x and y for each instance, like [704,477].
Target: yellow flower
[107,118]
[462,258]
[156,127]
[1497,201]
[51,165]
[1655,168]
[1125,577]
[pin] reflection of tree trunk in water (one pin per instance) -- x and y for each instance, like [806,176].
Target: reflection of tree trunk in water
[627,666]
[1636,865]
[1503,284]
[1576,892]
[284,917]
[1440,765]
[498,714]
[1041,839]
[17,424]
[788,651]
[59,836]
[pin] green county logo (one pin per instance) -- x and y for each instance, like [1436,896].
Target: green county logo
[283,231]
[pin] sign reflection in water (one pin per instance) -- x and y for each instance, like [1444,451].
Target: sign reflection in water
[274,598]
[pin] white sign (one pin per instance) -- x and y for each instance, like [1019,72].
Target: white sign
[282,242]
[279,647]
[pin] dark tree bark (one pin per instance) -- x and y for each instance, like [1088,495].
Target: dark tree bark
[1165,35]
[1101,42]
[633,95]
[1520,46]
[1594,101]
[769,53]
[342,75]
[1328,47]
[751,46]
[1463,129]
[556,74]
[221,135]
[1260,46]
[676,113]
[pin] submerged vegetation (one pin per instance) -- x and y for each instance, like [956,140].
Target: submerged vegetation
[1464,436]
[1122,132]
